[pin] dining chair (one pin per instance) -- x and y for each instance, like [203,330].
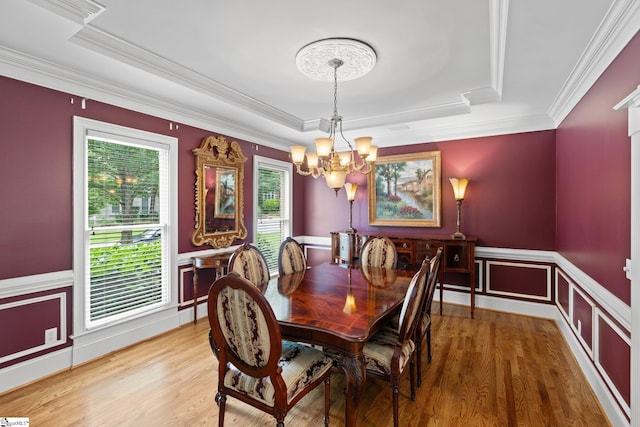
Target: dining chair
[251,264]
[291,257]
[388,352]
[379,251]
[423,324]
[254,365]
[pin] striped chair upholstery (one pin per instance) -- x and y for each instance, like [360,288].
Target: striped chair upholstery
[250,263]
[255,365]
[389,351]
[423,325]
[291,257]
[379,252]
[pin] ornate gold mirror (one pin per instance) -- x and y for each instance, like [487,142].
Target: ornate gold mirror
[219,199]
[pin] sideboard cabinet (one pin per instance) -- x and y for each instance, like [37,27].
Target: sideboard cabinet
[458,255]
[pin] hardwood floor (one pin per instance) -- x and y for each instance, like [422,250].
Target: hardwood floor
[498,369]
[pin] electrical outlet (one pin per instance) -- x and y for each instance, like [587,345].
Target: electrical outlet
[51,336]
[579,327]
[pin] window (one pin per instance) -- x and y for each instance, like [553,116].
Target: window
[272,206]
[124,223]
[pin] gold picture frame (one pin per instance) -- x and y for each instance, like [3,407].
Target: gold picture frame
[405,190]
[217,223]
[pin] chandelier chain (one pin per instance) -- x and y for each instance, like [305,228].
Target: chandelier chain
[335,90]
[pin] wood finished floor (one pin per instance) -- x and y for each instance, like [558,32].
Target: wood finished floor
[495,370]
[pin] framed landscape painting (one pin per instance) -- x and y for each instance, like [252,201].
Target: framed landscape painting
[404,190]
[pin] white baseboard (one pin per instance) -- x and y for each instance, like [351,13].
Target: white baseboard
[91,345]
[18,375]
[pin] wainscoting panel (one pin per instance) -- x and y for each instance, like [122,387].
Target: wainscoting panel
[604,340]
[613,358]
[582,318]
[31,336]
[519,280]
[563,294]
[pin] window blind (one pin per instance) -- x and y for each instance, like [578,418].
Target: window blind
[273,211]
[126,228]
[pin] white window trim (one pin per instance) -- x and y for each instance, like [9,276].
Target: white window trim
[89,344]
[276,164]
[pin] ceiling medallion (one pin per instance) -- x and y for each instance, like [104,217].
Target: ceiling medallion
[314,59]
[320,61]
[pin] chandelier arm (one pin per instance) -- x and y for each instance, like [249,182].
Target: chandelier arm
[343,137]
[317,172]
[363,168]
[302,172]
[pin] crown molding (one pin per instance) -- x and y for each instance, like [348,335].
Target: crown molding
[424,133]
[79,11]
[115,48]
[419,114]
[620,24]
[481,96]
[498,18]
[33,70]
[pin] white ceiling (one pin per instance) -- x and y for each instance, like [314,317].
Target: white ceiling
[445,69]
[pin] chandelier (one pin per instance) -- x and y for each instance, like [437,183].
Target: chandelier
[332,165]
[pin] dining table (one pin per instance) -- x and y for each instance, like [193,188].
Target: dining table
[338,307]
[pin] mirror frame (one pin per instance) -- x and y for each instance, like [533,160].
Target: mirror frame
[218,153]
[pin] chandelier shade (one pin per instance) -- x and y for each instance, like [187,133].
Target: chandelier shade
[334,166]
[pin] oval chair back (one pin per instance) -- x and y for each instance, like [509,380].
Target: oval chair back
[291,257]
[251,264]
[379,252]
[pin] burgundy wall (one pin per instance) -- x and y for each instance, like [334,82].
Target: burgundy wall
[36,170]
[510,201]
[36,127]
[593,173]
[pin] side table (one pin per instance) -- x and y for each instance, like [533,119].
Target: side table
[219,262]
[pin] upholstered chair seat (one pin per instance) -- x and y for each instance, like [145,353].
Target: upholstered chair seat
[380,349]
[301,365]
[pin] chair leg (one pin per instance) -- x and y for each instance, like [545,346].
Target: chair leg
[221,399]
[394,402]
[419,357]
[412,373]
[327,399]
[429,344]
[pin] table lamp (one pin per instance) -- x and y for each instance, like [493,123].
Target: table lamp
[350,189]
[459,187]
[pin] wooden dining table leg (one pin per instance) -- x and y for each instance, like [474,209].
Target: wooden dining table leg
[355,370]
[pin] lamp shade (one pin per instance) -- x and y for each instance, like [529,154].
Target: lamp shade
[345,157]
[297,153]
[373,154]
[323,146]
[336,178]
[459,187]
[351,188]
[363,145]
[312,160]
